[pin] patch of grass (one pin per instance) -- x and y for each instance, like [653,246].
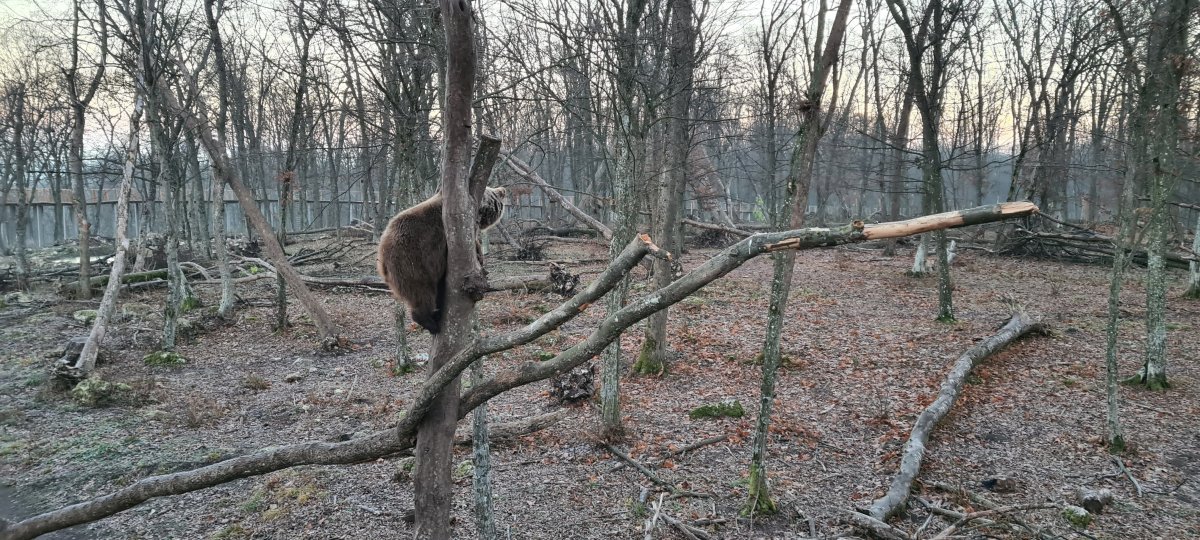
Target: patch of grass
[231,531]
[11,417]
[398,369]
[729,408]
[255,502]
[164,358]
[12,448]
[273,513]
[465,469]
[638,509]
[254,381]
[199,411]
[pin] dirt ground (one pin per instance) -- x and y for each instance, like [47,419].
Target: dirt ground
[863,356]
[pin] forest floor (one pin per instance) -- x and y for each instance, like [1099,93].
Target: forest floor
[863,356]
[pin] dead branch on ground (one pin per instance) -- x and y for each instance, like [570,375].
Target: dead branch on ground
[521,168]
[914,449]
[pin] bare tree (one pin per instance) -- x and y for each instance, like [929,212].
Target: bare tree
[653,357]
[81,92]
[824,59]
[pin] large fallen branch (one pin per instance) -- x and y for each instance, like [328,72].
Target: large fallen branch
[523,169]
[502,432]
[716,227]
[914,450]
[402,436]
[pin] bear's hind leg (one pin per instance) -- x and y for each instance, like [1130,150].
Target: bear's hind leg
[425,312]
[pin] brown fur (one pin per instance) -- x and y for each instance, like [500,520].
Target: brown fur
[412,255]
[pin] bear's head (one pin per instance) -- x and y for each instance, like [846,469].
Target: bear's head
[491,209]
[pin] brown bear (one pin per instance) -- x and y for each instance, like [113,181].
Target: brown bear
[412,255]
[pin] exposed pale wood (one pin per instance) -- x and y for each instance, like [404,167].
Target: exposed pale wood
[949,220]
[914,449]
[521,168]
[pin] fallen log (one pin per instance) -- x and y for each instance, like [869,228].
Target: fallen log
[527,172]
[716,227]
[914,450]
[498,433]
[101,281]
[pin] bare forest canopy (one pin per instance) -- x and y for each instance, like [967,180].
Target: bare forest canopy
[1037,104]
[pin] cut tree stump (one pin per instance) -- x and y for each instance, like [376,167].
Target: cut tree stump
[893,502]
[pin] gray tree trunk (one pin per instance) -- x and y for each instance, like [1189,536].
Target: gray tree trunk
[653,356]
[630,142]
[758,493]
[91,348]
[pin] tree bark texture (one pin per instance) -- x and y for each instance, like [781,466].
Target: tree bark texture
[80,99]
[653,356]
[1166,44]
[914,449]
[462,190]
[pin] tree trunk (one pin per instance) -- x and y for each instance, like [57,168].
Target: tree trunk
[168,178]
[21,179]
[87,358]
[758,493]
[653,356]
[462,190]
[1167,42]
[481,458]
[630,141]
[1193,290]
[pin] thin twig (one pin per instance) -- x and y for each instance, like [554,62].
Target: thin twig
[1121,464]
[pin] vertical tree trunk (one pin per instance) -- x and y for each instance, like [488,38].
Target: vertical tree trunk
[630,141]
[168,178]
[91,348]
[80,98]
[197,203]
[462,190]
[1193,290]
[20,178]
[758,493]
[897,186]
[56,195]
[481,458]
[653,357]
[1167,43]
